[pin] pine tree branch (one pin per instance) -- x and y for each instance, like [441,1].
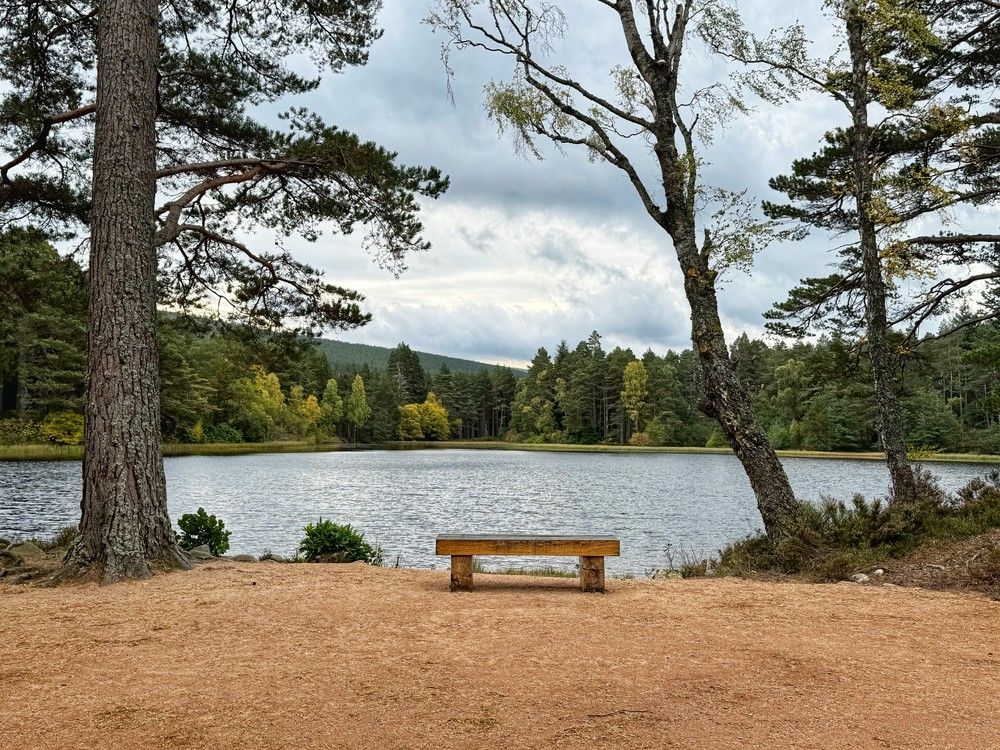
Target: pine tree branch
[952,239]
[42,138]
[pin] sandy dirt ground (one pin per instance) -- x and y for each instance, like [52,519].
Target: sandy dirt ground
[325,656]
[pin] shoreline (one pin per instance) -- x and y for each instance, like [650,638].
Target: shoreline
[75,452]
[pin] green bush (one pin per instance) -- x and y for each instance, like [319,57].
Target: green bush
[19,432]
[195,433]
[63,428]
[326,541]
[694,569]
[200,528]
[716,439]
[223,433]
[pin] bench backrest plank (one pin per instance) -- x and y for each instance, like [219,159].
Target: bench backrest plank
[525,544]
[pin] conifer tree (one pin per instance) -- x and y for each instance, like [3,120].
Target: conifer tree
[171,112]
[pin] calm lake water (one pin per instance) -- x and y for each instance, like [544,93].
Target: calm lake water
[656,503]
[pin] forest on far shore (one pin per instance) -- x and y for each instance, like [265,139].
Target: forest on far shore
[229,383]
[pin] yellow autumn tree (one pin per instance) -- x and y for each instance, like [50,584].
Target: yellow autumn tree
[434,419]
[409,423]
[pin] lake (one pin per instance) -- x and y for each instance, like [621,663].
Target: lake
[657,503]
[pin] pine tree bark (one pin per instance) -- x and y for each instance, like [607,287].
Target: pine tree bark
[125,530]
[889,414]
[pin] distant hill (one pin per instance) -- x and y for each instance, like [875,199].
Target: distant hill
[344,354]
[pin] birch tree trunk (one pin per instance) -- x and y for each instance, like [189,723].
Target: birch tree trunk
[125,531]
[726,398]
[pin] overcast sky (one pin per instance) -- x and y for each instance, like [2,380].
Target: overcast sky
[526,252]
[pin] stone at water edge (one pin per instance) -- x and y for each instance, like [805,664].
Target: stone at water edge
[201,552]
[860,578]
[243,558]
[878,572]
[28,551]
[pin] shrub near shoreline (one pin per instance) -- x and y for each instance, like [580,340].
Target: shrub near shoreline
[836,540]
[326,541]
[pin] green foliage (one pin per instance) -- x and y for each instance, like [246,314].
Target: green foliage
[42,329]
[63,428]
[928,420]
[694,569]
[345,356]
[201,528]
[185,393]
[332,407]
[223,433]
[426,421]
[241,385]
[19,432]
[196,434]
[407,373]
[304,413]
[716,439]
[933,67]
[326,541]
[356,408]
[434,419]
[219,64]
[634,391]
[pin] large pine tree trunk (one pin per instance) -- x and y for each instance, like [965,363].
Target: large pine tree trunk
[727,400]
[890,419]
[125,531]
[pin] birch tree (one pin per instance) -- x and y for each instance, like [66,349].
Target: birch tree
[648,121]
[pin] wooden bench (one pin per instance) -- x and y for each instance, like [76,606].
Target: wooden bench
[590,549]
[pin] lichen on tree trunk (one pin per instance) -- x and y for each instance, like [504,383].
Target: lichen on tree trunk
[125,530]
[726,398]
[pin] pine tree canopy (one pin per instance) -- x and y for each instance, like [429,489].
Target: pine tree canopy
[930,68]
[223,173]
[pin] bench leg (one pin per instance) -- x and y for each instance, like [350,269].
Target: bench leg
[461,572]
[592,573]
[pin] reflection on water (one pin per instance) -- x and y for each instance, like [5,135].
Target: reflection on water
[402,499]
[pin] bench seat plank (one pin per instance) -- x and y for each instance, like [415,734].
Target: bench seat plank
[526,544]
